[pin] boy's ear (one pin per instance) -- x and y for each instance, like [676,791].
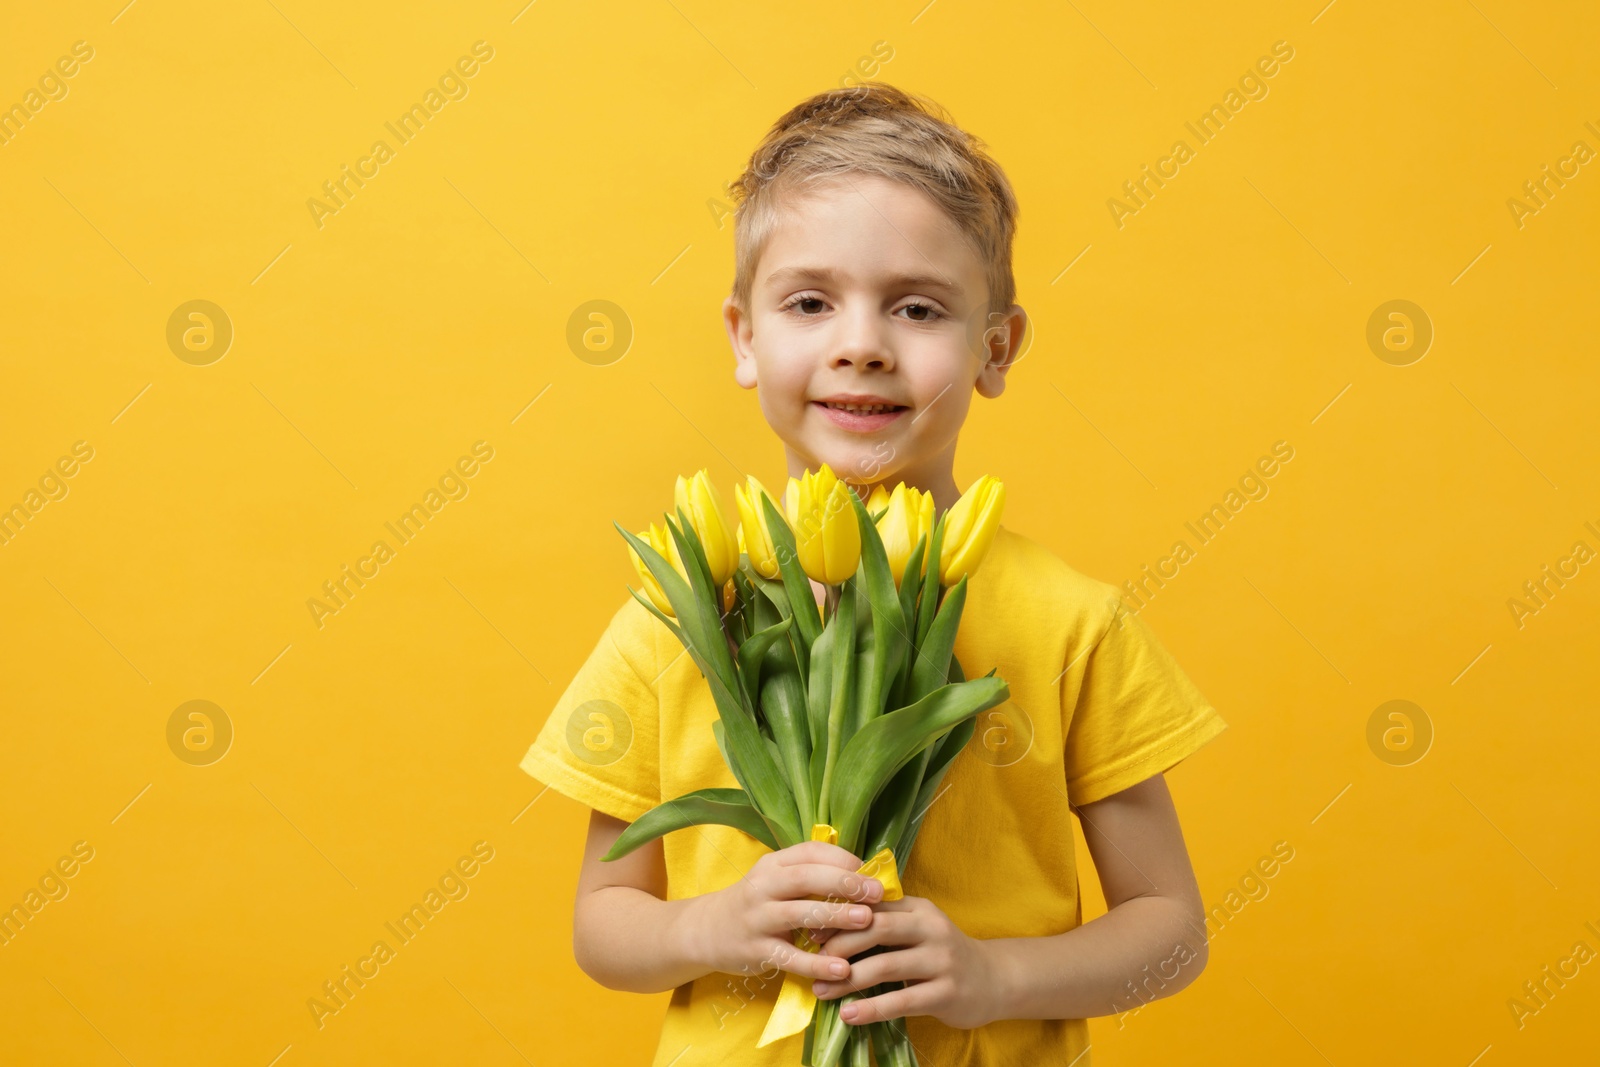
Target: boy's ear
[740,331]
[1002,348]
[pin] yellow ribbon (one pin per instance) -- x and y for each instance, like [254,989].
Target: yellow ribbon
[792,1011]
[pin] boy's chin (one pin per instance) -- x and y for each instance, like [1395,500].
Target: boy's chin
[867,463]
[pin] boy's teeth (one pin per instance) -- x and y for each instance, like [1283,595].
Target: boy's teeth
[865,409]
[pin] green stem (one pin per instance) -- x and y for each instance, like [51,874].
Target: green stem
[832,1032]
[891,1045]
[843,683]
[858,1051]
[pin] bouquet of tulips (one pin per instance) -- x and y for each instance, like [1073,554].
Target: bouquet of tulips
[837,722]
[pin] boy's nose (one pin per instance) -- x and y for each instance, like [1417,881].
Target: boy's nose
[864,352]
[860,341]
[863,359]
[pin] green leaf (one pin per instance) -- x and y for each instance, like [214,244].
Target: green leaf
[897,811]
[890,640]
[747,606]
[722,746]
[650,606]
[802,601]
[932,665]
[855,712]
[892,808]
[819,697]
[910,581]
[727,807]
[930,582]
[728,702]
[783,705]
[707,593]
[744,749]
[765,609]
[776,594]
[751,654]
[698,621]
[692,552]
[678,591]
[776,751]
[910,587]
[942,753]
[888,742]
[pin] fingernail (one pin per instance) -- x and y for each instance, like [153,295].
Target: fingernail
[847,1012]
[836,969]
[860,914]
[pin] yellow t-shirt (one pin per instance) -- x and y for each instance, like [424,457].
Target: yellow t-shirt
[1096,706]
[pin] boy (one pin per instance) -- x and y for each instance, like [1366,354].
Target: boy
[873,243]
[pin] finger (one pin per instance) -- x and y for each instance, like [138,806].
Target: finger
[819,914]
[817,852]
[895,1004]
[902,904]
[903,966]
[824,881]
[815,965]
[887,928]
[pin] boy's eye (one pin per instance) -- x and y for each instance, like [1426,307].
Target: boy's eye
[802,300]
[917,312]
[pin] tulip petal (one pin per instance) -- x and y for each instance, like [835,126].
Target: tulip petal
[971,526]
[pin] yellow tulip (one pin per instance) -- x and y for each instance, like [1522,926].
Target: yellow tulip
[660,539]
[827,537]
[969,528]
[878,499]
[757,544]
[909,517]
[699,501]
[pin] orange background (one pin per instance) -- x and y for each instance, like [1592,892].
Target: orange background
[586,161]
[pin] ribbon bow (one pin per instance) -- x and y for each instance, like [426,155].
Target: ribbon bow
[796,1001]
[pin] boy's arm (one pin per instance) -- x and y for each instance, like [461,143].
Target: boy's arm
[1151,943]
[625,934]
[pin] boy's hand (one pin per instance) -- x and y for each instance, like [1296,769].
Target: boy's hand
[748,928]
[949,975]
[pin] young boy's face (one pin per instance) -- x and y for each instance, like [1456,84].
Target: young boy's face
[866,289]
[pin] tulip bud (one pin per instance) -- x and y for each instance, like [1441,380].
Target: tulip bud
[909,517]
[878,499]
[969,528]
[699,501]
[757,543]
[827,537]
[661,540]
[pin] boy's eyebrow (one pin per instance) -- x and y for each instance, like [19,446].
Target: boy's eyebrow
[829,274]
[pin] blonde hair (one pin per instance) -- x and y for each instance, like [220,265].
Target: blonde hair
[875,128]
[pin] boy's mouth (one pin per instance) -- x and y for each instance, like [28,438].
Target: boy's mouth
[860,409]
[860,418]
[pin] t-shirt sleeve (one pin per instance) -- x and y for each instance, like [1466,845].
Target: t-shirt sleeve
[599,744]
[1136,714]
